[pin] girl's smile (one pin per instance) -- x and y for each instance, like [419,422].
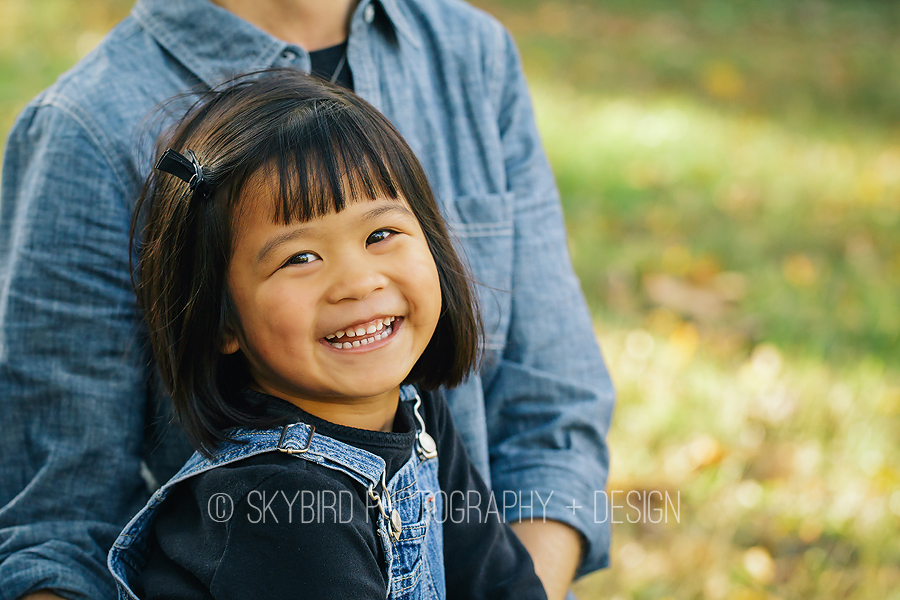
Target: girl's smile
[332,313]
[364,334]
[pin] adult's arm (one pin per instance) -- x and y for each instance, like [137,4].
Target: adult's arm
[551,400]
[72,382]
[555,549]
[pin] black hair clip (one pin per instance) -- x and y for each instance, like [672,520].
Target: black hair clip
[189,170]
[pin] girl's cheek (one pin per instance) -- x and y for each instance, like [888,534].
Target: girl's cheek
[290,295]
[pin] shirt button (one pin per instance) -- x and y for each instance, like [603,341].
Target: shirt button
[289,55]
[369,14]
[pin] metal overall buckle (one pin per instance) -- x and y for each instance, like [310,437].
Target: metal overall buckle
[280,445]
[424,442]
[391,514]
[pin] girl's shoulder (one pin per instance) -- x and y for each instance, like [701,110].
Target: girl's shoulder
[272,472]
[268,513]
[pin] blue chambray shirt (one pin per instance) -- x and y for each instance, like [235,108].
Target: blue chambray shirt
[84,425]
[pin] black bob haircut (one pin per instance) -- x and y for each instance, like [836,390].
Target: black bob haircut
[324,146]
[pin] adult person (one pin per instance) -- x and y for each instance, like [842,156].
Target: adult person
[85,433]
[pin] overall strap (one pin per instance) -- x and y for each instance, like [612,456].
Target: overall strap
[301,440]
[297,439]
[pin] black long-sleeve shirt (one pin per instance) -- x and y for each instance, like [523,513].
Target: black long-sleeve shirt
[299,529]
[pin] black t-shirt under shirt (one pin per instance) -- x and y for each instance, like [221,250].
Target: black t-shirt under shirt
[326,61]
[268,553]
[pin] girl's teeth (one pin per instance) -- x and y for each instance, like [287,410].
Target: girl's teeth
[379,325]
[363,342]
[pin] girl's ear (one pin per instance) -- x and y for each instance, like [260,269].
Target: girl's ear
[230,343]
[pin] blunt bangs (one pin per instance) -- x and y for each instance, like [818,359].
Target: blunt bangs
[323,159]
[322,145]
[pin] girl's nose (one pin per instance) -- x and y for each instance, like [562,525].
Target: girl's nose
[355,282]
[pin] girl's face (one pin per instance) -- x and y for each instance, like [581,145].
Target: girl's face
[332,313]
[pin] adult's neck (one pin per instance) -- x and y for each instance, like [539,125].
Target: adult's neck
[310,24]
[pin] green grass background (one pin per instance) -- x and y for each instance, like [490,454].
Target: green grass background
[730,172]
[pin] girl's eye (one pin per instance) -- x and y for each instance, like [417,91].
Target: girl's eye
[302,258]
[379,236]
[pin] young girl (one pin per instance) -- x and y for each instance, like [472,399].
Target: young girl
[304,305]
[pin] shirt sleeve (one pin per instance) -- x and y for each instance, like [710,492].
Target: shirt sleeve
[550,403]
[294,532]
[276,552]
[483,558]
[72,376]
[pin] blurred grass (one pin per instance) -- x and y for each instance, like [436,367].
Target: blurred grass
[39,39]
[731,177]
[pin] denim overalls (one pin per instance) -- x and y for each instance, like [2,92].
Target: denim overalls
[409,505]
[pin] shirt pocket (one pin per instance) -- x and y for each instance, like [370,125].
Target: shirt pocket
[481,227]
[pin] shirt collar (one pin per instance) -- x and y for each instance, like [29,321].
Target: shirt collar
[216,45]
[398,20]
